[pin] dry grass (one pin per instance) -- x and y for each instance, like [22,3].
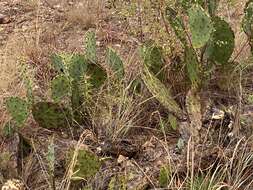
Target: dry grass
[86,13]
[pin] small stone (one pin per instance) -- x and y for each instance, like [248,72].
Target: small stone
[121,159]
[4,19]
[13,184]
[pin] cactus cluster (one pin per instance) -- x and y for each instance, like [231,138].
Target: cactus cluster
[76,76]
[209,42]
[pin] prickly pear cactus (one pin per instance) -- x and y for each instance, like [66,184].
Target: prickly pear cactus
[248,18]
[115,62]
[186,4]
[87,164]
[96,75]
[222,42]
[8,129]
[247,23]
[77,67]
[90,46]
[153,59]
[176,22]
[212,6]
[192,66]
[200,26]
[57,63]
[51,115]
[161,93]
[164,177]
[18,109]
[60,87]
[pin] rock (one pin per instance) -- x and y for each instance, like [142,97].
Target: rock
[4,19]
[13,184]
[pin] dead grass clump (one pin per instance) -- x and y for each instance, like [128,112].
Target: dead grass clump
[86,13]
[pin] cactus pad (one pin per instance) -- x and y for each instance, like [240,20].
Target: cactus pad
[60,87]
[248,18]
[212,6]
[192,66]
[87,164]
[90,42]
[177,24]
[96,75]
[77,67]
[57,63]
[186,4]
[222,42]
[115,62]
[153,59]
[18,109]
[51,115]
[161,93]
[200,26]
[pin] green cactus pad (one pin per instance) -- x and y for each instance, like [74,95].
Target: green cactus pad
[8,129]
[161,93]
[57,63]
[192,66]
[90,46]
[18,109]
[115,62]
[87,164]
[186,4]
[248,18]
[177,24]
[164,177]
[51,115]
[96,75]
[153,59]
[200,26]
[77,67]
[212,6]
[222,42]
[60,87]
